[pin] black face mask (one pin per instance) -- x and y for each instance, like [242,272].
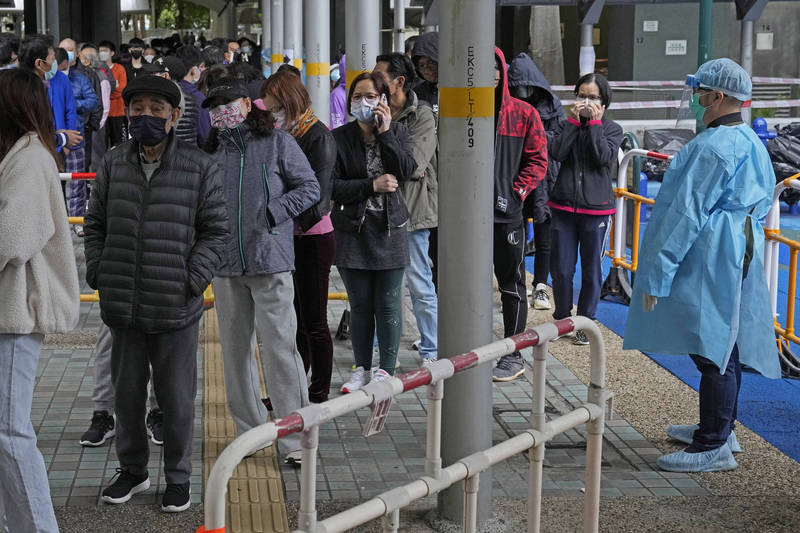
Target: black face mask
[147,129]
[136,54]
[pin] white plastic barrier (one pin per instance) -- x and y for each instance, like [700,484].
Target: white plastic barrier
[468,469]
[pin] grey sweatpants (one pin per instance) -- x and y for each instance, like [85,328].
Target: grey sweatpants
[266,302]
[103,394]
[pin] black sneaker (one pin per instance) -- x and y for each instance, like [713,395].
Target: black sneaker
[155,426]
[101,430]
[176,498]
[580,338]
[125,487]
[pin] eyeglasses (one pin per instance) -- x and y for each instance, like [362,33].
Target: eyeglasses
[592,97]
[360,97]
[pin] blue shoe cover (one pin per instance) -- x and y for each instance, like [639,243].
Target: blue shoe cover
[685,434]
[717,460]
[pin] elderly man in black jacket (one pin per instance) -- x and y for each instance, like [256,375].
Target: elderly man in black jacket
[155,231]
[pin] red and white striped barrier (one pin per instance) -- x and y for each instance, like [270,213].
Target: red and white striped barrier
[679,83]
[674,104]
[68,176]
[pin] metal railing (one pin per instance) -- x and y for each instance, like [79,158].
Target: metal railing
[208,294]
[617,283]
[468,469]
[772,241]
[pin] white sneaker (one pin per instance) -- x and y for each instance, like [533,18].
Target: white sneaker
[380,375]
[357,380]
[428,361]
[541,300]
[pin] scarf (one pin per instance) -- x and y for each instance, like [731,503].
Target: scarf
[304,123]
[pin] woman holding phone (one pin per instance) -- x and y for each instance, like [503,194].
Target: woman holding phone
[369,219]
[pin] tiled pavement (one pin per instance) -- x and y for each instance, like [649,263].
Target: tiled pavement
[351,467]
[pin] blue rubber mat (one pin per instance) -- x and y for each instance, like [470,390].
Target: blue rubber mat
[768,407]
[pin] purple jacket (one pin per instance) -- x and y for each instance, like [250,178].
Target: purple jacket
[339,97]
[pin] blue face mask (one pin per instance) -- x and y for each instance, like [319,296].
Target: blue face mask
[70,57]
[52,72]
[363,113]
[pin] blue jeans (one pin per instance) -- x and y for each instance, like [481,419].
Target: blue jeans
[374,308]
[423,293]
[719,395]
[24,489]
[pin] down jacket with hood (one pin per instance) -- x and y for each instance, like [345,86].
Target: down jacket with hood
[152,246]
[524,73]
[520,151]
[427,45]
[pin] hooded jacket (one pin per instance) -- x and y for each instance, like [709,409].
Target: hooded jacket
[267,181]
[152,246]
[339,97]
[520,151]
[427,45]
[524,72]
[86,100]
[421,191]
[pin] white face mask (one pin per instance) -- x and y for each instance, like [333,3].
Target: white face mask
[149,58]
[104,56]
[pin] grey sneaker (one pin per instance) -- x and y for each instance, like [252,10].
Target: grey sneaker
[508,368]
[580,338]
[540,301]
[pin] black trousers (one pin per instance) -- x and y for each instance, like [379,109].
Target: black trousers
[568,231]
[173,356]
[116,131]
[719,395]
[509,269]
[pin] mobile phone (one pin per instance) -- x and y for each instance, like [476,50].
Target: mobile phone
[378,119]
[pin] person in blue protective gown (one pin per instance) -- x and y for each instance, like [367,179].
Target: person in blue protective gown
[700,287]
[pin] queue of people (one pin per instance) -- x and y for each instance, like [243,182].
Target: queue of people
[218,176]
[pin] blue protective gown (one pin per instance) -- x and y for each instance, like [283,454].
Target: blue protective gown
[693,251]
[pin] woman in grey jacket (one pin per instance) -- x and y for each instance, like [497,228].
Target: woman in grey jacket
[39,283]
[267,182]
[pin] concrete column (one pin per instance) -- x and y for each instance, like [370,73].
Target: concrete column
[747,59]
[276,25]
[466,167]
[293,32]
[317,26]
[399,26]
[225,22]
[586,59]
[362,36]
[266,32]
[704,31]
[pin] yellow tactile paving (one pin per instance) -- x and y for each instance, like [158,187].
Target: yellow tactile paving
[255,494]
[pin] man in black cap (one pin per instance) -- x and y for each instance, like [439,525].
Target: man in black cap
[155,231]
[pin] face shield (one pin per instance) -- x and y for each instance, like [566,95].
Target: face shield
[686,119]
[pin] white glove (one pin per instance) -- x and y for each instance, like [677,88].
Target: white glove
[648,302]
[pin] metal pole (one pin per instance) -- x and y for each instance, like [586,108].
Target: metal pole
[307,515]
[42,19]
[293,32]
[276,26]
[747,58]
[317,20]
[704,32]
[362,36]
[266,33]
[587,57]
[400,26]
[466,166]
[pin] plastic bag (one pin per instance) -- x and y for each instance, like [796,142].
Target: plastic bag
[784,150]
[666,141]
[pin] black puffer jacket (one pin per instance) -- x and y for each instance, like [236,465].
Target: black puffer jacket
[152,247]
[320,150]
[351,183]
